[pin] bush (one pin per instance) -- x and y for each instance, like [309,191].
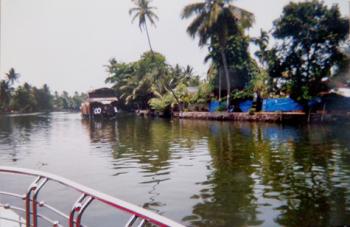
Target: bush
[252,111]
[161,103]
[222,107]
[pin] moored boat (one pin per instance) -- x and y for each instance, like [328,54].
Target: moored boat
[101,103]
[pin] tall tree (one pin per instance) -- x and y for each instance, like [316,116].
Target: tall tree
[5,95]
[240,63]
[262,42]
[144,12]
[12,76]
[23,99]
[6,89]
[43,98]
[310,34]
[216,21]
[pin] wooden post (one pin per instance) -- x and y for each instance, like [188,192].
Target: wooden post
[323,112]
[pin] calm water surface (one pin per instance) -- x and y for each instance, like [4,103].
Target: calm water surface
[198,173]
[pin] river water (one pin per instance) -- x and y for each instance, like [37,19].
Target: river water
[199,173]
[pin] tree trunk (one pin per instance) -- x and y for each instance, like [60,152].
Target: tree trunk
[177,99]
[220,85]
[148,38]
[227,75]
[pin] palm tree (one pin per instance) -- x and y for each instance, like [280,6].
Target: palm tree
[5,94]
[144,12]
[216,21]
[170,80]
[262,42]
[12,76]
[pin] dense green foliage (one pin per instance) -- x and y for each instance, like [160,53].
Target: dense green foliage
[66,102]
[307,54]
[28,98]
[150,81]
[220,24]
[242,67]
[303,62]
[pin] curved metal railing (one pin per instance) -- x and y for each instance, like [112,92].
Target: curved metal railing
[139,215]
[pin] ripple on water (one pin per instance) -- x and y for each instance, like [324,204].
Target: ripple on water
[197,172]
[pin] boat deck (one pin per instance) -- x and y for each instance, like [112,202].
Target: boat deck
[9,218]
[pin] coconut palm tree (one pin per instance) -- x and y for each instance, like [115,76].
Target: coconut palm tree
[215,21]
[144,12]
[5,94]
[262,42]
[12,76]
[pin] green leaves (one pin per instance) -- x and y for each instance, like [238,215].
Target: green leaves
[149,78]
[143,11]
[310,35]
[12,76]
[215,18]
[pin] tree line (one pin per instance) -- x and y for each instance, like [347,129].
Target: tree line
[302,62]
[28,98]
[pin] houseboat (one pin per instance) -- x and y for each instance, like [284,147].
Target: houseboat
[101,103]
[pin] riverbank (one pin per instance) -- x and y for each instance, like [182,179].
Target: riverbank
[264,116]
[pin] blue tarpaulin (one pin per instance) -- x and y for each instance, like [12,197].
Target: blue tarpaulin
[214,106]
[246,105]
[313,103]
[281,105]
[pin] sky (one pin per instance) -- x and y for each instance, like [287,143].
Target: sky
[67,43]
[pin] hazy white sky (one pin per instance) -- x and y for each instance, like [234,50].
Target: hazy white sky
[66,43]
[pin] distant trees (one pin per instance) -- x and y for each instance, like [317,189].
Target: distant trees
[12,76]
[6,89]
[43,98]
[65,102]
[23,99]
[28,98]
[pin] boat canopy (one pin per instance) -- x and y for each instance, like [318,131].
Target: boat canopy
[102,93]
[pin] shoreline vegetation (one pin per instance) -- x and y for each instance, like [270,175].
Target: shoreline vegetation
[304,63]
[29,99]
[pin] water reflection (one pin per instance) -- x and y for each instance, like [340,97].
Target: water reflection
[198,172]
[227,197]
[260,174]
[101,131]
[146,145]
[262,170]
[16,131]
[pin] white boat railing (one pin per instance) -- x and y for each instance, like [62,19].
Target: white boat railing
[139,216]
